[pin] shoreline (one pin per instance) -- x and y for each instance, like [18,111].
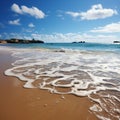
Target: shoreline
[35,104]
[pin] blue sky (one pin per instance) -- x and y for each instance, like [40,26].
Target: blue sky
[61,20]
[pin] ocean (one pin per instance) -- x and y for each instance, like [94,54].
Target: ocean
[82,69]
[72,46]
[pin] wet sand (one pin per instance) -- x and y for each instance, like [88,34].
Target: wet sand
[18,103]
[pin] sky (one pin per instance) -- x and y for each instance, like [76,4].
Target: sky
[61,20]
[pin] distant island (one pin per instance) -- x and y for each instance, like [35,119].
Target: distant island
[15,40]
[79,42]
[116,41]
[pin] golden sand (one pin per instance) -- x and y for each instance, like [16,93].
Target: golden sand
[18,103]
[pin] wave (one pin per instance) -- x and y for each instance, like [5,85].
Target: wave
[93,74]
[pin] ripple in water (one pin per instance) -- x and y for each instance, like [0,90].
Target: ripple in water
[92,74]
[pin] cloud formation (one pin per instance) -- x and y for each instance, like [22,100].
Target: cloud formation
[60,37]
[70,37]
[96,12]
[14,22]
[31,25]
[33,11]
[110,28]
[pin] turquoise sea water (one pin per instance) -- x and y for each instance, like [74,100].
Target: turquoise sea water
[82,69]
[73,46]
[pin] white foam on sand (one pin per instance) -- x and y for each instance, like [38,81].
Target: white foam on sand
[72,72]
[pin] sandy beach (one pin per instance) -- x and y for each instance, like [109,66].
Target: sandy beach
[18,103]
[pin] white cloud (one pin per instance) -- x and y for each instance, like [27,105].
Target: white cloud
[14,22]
[16,35]
[100,38]
[34,11]
[74,14]
[70,37]
[96,12]
[31,25]
[16,8]
[110,28]
[60,37]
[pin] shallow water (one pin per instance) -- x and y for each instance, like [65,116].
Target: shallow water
[95,74]
[91,70]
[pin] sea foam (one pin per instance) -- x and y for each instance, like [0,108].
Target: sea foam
[81,73]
